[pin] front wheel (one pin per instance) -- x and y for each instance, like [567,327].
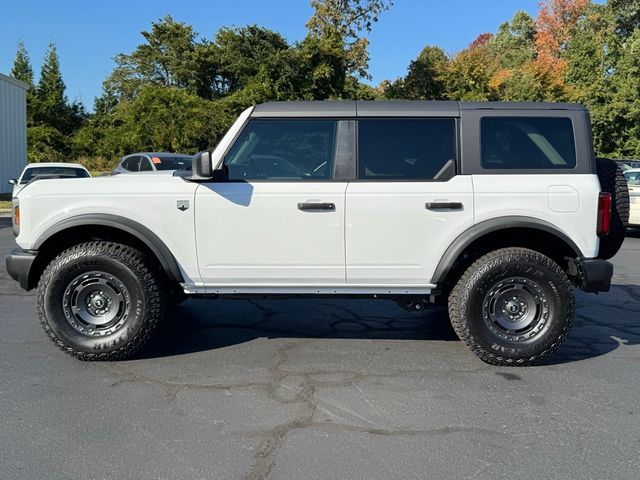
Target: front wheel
[513,306]
[101,300]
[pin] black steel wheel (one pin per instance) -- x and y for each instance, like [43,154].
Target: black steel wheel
[96,303]
[101,300]
[513,306]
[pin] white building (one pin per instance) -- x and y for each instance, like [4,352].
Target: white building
[13,130]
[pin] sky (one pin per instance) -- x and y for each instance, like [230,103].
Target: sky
[88,34]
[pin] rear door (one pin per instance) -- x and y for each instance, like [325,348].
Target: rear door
[279,218]
[407,204]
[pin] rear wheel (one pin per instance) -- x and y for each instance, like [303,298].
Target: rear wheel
[101,300]
[512,306]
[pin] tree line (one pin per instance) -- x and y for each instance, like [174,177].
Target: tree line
[178,91]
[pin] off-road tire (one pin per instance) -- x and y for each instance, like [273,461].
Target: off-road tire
[133,271]
[472,323]
[612,181]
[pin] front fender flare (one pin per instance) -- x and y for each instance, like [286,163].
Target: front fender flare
[142,233]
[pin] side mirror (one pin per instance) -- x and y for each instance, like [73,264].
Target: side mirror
[201,165]
[202,169]
[13,181]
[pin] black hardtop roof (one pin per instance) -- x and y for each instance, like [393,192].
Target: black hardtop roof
[397,108]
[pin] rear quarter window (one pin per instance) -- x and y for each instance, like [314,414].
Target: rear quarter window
[527,143]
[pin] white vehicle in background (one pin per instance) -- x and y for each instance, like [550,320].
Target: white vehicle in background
[632,177]
[47,170]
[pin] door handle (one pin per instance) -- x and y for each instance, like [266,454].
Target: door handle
[443,205]
[326,207]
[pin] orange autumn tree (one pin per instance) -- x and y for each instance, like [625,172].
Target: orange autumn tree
[555,22]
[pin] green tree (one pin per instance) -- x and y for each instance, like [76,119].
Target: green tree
[50,106]
[586,52]
[468,73]
[46,144]
[171,56]
[622,135]
[514,43]
[344,22]
[627,16]
[23,71]
[51,87]
[243,52]
[335,47]
[424,79]
[158,119]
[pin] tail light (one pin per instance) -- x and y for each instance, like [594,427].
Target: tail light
[604,214]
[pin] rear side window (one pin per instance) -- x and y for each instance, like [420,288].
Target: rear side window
[404,149]
[290,150]
[523,143]
[172,163]
[145,165]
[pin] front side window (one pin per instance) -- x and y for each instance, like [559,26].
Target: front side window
[132,164]
[527,143]
[404,149]
[296,149]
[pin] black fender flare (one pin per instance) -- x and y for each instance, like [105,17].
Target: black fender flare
[483,228]
[142,233]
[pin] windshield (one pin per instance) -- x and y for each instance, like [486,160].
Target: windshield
[171,163]
[52,172]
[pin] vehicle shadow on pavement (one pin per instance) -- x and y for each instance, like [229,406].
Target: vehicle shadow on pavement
[604,323]
[199,325]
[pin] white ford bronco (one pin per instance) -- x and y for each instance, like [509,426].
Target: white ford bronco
[496,209]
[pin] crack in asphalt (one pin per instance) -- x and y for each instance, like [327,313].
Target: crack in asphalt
[265,456]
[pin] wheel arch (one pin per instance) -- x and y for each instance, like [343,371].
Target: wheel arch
[106,227]
[522,231]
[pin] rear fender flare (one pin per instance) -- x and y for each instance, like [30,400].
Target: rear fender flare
[481,229]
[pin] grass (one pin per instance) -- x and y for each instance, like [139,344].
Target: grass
[5,205]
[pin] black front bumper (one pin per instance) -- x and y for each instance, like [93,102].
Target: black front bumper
[594,274]
[19,263]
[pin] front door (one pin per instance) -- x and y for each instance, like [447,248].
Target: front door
[279,219]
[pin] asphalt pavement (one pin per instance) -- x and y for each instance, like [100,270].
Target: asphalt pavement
[322,389]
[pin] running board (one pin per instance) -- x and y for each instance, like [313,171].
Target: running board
[369,290]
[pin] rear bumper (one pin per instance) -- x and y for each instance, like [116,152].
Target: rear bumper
[594,274]
[19,263]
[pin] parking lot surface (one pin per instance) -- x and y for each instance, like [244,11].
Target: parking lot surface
[322,389]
